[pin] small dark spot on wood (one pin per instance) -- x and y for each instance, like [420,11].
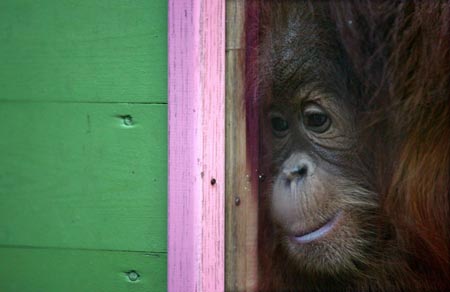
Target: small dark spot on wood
[127,120]
[133,276]
[213,181]
[237,201]
[88,117]
[202,174]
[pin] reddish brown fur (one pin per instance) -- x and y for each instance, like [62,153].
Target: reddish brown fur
[400,51]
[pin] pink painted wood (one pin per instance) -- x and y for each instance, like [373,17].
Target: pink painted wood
[196,145]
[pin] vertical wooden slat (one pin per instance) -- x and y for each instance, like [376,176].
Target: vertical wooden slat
[241,177]
[196,145]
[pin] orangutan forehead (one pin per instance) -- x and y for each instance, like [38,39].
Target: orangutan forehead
[305,51]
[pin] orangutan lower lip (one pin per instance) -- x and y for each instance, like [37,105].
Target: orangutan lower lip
[319,232]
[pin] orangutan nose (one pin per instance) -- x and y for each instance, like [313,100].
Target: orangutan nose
[296,173]
[298,167]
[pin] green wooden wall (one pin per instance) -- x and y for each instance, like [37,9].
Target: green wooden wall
[83,145]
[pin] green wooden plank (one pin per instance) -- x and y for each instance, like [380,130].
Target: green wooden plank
[83,50]
[83,175]
[41,270]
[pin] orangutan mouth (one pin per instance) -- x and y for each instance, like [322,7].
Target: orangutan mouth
[319,232]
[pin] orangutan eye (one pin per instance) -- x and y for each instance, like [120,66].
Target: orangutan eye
[315,119]
[279,124]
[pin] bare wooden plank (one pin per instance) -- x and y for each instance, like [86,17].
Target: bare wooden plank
[241,194]
[44,270]
[83,176]
[196,145]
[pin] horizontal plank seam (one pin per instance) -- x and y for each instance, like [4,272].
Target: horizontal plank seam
[80,102]
[80,249]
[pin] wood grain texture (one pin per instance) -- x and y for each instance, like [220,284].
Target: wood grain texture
[48,270]
[96,51]
[241,203]
[196,145]
[83,176]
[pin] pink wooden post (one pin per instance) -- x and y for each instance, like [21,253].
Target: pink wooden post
[196,145]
